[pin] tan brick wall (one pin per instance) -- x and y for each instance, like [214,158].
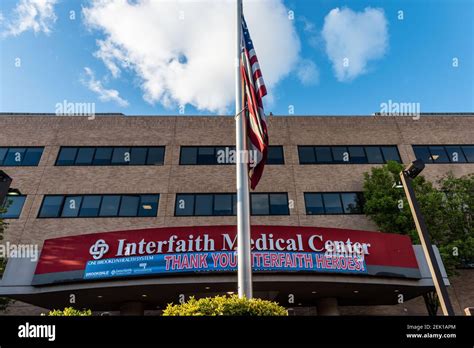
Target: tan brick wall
[53,132]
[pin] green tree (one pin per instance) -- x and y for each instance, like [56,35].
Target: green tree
[447,210]
[70,312]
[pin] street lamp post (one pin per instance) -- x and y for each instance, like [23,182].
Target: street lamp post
[406,176]
[5,182]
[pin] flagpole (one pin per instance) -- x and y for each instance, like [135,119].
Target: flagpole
[244,266]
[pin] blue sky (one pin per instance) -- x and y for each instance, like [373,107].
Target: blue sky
[403,60]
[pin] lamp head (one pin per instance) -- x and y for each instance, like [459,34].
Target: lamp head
[415,168]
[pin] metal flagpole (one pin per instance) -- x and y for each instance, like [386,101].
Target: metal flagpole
[244,266]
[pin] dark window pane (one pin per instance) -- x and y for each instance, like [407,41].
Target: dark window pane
[374,155]
[110,206]
[275,155]
[51,206]
[206,155]
[438,155]
[14,205]
[203,205]
[390,153]
[357,155]
[184,205]
[85,156]
[279,204]
[223,204]
[314,203]
[103,155]
[332,203]
[66,156]
[323,154]
[129,206]
[14,156]
[71,206]
[121,155]
[351,204]
[469,153]
[32,157]
[234,204]
[148,205]
[306,154]
[156,155]
[90,206]
[188,155]
[3,153]
[422,152]
[138,155]
[340,154]
[455,154]
[259,203]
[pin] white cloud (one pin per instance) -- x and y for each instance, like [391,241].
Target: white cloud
[358,37]
[36,15]
[104,94]
[308,72]
[183,51]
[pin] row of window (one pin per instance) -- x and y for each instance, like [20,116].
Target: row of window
[215,155]
[187,204]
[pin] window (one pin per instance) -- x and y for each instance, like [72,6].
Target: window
[326,203]
[224,204]
[348,154]
[20,156]
[219,155]
[107,156]
[445,153]
[14,205]
[71,206]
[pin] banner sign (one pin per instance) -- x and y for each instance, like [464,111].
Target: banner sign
[185,250]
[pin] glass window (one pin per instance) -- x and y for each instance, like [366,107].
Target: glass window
[129,206]
[306,154]
[438,154]
[374,155]
[14,205]
[184,205]
[138,155]
[203,205]
[148,205]
[455,154]
[351,203]
[15,156]
[110,206]
[468,152]
[103,156]
[259,203]
[422,152]
[51,206]
[390,153]
[223,204]
[206,155]
[85,155]
[234,204]
[188,155]
[33,156]
[323,154]
[90,206]
[66,157]
[332,203]
[314,203]
[340,154]
[357,155]
[279,204]
[275,155]
[3,152]
[71,206]
[156,156]
[121,155]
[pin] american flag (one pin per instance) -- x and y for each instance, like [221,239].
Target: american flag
[253,91]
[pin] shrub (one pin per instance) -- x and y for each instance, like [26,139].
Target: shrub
[225,305]
[70,312]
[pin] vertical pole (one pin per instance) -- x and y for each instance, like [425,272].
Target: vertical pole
[244,266]
[427,246]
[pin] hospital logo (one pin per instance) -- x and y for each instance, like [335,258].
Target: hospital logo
[99,249]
